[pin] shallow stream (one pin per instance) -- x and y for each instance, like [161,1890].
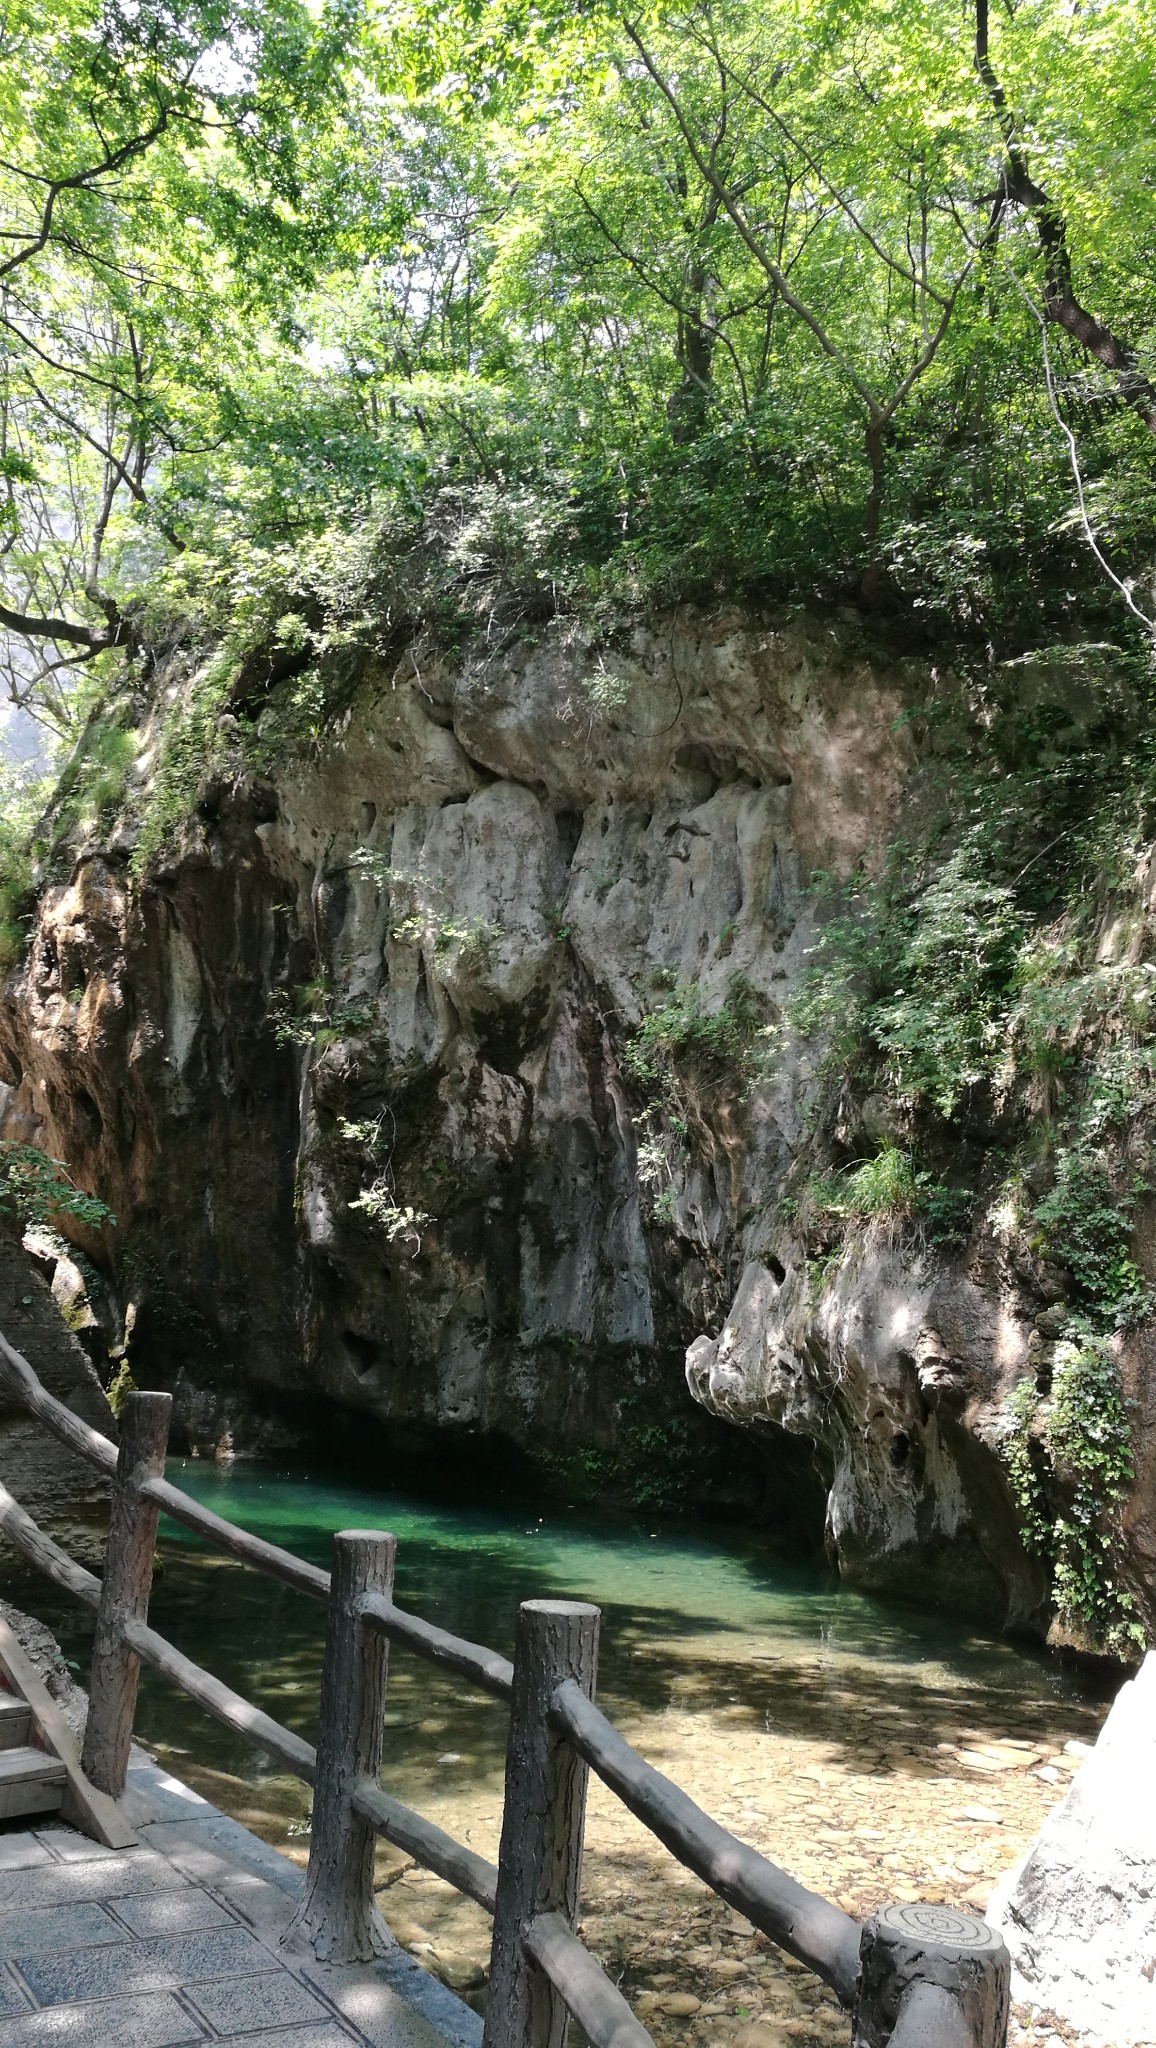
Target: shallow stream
[878,1752]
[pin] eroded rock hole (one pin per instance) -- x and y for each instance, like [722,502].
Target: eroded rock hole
[87,1106]
[363,1353]
[569,829]
[899,1449]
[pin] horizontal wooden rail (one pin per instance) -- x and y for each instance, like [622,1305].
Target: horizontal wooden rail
[236,1542]
[945,1989]
[582,1983]
[221,1701]
[428,1844]
[819,1934]
[420,1838]
[471,1660]
[79,1436]
[101,1451]
[46,1555]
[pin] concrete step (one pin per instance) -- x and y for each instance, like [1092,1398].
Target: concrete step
[31,1781]
[14,1721]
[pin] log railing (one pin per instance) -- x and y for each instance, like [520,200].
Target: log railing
[911,1977]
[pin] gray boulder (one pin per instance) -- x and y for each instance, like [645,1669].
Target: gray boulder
[1079,1912]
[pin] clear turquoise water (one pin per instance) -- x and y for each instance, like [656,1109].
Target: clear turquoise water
[709,1620]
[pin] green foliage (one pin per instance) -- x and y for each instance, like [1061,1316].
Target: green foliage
[890,1189]
[1019,1415]
[401,1223]
[466,281]
[882,1186]
[921,975]
[101,775]
[21,799]
[656,1459]
[1090,1444]
[1085,1225]
[37,1189]
[472,938]
[1087,1440]
[188,745]
[678,1049]
[313,1014]
[423,918]
[371,1137]
[164,172]
[683,1038]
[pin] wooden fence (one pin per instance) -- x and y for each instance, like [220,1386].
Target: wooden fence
[912,1976]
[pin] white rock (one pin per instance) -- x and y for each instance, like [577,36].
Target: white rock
[1079,1913]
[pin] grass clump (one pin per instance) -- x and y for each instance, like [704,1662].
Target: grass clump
[683,1039]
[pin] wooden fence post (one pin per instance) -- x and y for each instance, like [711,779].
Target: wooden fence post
[337,1913]
[540,1860]
[124,1590]
[932,1977]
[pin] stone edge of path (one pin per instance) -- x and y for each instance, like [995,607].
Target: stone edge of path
[176,1821]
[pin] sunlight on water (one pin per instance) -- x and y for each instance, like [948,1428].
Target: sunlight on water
[706,1623]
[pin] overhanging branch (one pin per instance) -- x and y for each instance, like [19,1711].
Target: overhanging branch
[69,632]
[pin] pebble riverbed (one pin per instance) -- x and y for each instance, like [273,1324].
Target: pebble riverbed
[869,1780]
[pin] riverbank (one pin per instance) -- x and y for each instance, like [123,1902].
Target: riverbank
[867,1791]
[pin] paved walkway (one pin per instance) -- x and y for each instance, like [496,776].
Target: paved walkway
[178,1941]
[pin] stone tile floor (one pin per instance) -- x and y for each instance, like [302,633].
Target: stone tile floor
[179,1941]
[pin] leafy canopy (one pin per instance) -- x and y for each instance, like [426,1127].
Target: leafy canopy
[606,306]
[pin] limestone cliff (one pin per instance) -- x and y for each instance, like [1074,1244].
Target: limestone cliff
[351,1063]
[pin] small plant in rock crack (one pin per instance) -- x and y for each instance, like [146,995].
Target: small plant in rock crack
[370,1134]
[401,1223]
[474,937]
[680,1041]
[653,1165]
[656,1169]
[314,1014]
[420,919]
[373,1137]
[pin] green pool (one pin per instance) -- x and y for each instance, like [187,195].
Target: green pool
[708,1620]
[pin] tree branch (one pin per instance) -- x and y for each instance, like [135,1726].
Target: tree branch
[75,181]
[69,631]
[1018,188]
[778,277]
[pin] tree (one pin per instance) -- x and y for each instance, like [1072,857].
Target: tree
[150,194]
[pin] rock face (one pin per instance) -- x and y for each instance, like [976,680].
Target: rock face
[414,966]
[60,1491]
[1079,1914]
[897,1371]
